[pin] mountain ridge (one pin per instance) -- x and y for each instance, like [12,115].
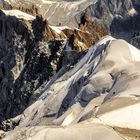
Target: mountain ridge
[69,70]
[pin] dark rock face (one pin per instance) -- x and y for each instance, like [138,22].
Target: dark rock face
[25,64]
[127,28]
[12,34]
[136,4]
[103,11]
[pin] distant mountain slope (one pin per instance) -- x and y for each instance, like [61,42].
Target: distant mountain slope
[70,12]
[55,11]
[120,17]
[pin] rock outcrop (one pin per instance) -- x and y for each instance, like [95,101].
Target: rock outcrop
[87,34]
[26,62]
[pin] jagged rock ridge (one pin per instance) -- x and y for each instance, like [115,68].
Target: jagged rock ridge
[25,63]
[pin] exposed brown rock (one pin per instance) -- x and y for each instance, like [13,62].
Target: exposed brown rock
[42,30]
[27,8]
[87,35]
[51,34]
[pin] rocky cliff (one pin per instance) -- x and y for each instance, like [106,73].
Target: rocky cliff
[32,51]
[24,62]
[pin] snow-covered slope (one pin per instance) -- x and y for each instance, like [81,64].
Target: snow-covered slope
[101,90]
[19,14]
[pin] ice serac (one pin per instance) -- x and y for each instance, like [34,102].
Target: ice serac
[101,90]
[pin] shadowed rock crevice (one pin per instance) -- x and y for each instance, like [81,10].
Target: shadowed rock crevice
[127,28]
[26,62]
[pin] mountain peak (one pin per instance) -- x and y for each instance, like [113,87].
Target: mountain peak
[69,69]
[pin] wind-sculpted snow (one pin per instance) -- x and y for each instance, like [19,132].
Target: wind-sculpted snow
[101,89]
[63,92]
